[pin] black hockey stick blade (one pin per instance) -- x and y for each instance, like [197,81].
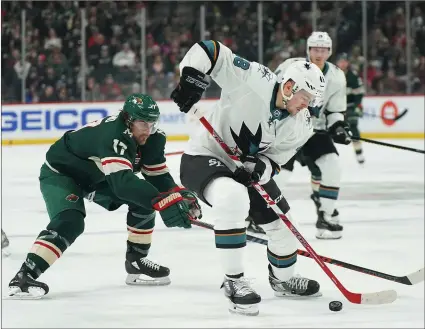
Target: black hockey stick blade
[402,114]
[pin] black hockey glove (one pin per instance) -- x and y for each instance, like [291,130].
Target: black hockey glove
[340,133]
[245,176]
[190,88]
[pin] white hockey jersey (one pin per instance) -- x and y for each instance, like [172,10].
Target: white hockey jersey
[245,116]
[334,101]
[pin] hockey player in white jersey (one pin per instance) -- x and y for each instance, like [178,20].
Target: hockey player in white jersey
[319,153]
[264,122]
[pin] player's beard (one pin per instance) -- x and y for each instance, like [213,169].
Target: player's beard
[142,139]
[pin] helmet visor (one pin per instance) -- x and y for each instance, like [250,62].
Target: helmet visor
[144,127]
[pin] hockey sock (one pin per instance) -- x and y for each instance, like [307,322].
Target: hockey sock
[328,196]
[140,229]
[329,165]
[358,147]
[283,265]
[52,242]
[315,185]
[231,245]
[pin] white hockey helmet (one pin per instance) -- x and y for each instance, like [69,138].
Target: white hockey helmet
[306,76]
[319,39]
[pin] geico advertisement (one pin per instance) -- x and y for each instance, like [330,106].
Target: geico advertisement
[379,112]
[32,121]
[52,120]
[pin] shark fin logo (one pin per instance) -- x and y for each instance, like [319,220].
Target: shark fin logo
[249,143]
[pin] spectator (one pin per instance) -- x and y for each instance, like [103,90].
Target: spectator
[52,41]
[92,90]
[48,96]
[104,66]
[125,57]
[110,90]
[62,93]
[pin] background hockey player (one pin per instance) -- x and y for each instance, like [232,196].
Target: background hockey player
[355,93]
[4,244]
[264,122]
[99,162]
[320,153]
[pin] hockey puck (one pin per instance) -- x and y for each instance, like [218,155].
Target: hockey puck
[335,306]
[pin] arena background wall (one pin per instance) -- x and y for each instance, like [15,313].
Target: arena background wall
[45,123]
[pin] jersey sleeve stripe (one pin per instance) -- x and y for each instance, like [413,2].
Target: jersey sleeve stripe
[159,165]
[159,168]
[113,165]
[155,171]
[212,49]
[113,159]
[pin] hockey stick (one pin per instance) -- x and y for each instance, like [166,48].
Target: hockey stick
[358,138]
[388,144]
[382,297]
[173,153]
[411,279]
[398,117]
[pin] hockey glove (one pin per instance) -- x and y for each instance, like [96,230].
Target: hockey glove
[177,206]
[256,169]
[340,133]
[358,111]
[190,88]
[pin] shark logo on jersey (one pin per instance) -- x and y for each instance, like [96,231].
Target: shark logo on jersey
[265,72]
[249,143]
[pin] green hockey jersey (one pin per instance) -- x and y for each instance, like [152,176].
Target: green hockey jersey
[104,153]
[355,89]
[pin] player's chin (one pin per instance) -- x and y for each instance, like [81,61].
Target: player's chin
[142,140]
[294,111]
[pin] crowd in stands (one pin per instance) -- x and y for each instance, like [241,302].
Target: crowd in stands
[107,66]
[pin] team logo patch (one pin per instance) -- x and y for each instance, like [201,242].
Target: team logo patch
[72,198]
[137,100]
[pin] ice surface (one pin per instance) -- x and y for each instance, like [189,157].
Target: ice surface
[382,210]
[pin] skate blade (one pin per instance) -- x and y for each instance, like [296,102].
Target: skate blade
[289,295]
[248,310]
[144,280]
[32,294]
[328,235]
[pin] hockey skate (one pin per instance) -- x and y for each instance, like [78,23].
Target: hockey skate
[242,298]
[4,244]
[145,272]
[360,158]
[296,286]
[252,227]
[328,226]
[23,286]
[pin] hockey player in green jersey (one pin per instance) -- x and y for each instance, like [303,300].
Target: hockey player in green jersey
[355,93]
[99,162]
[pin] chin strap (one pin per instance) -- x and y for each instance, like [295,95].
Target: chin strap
[285,99]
